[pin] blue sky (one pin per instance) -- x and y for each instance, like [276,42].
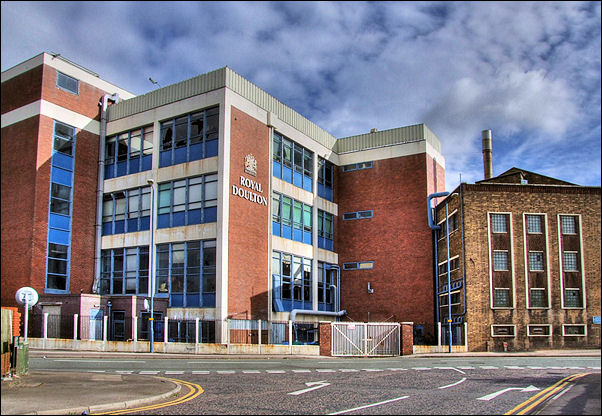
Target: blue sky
[529,71]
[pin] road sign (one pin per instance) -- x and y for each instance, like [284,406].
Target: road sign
[27,296]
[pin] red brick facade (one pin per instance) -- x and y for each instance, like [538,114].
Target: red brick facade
[397,238]
[249,221]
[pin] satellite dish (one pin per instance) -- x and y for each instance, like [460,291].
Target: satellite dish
[27,296]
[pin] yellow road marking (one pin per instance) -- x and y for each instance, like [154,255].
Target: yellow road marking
[543,395]
[194,390]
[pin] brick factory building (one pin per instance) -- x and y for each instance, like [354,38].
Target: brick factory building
[524,263]
[259,213]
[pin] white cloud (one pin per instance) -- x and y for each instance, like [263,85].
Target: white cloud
[530,71]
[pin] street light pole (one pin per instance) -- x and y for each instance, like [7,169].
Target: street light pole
[151,274]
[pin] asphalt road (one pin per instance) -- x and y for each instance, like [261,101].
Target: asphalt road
[396,385]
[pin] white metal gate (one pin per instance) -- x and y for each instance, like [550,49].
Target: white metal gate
[365,339]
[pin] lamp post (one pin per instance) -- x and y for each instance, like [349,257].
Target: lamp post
[151,274]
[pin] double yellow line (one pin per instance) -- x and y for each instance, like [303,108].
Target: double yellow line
[194,390]
[543,395]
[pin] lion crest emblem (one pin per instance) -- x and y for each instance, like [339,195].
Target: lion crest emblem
[251,165]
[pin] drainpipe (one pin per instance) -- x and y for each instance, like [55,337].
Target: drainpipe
[435,228]
[103,104]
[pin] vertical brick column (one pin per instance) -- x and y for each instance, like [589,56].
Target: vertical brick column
[407,338]
[325,343]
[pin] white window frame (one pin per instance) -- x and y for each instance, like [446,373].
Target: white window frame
[546,262]
[561,262]
[549,334]
[510,260]
[574,335]
[503,336]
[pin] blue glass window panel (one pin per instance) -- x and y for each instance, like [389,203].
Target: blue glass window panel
[132,225]
[277,169]
[194,216]
[321,242]
[287,232]
[329,194]
[107,228]
[307,237]
[307,183]
[287,305]
[176,301]
[329,244]
[165,158]
[122,168]
[58,236]
[145,223]
[298,179]
[62,161]
[120,227]
[287,174]
[134,165]
[60,222]
[208,300]
[277,305]
[210,214]
[211,148]
[147,162]
[61,176]
[180,155]
[321,191]
[109,171]
[193,300]
[298,304]
[179,219]
[196,151]
[298,235]
[163,221]
[276,228]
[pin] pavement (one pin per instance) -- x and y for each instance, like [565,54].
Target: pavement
[53,393]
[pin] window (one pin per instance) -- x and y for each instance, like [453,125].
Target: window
[325,230]
[539,330]
[326,278]
[501,298]
[186,271]
[357,166]
[572,298]
[292,162]
[124,271]
[126,211]
[498,223]
[454,264]
[362,265]
[187,201]
[534,224]
[64,136]
[500,260]
[190,137]
[60,199]
[58,251]
[568,224]
[325,179]
[502,330]
[569,261]
[455,298]
[538,298]
[67,83]
[574,330]
[291,219]
[358,215]
[292,281]
[129,152]
[536,261]
[453,225]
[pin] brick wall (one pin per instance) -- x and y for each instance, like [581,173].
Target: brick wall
[517,200]
[397,239]
[19,142]
[21,90]
[248,223]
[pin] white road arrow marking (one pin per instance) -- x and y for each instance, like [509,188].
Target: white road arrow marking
[316,385]
[497,393]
